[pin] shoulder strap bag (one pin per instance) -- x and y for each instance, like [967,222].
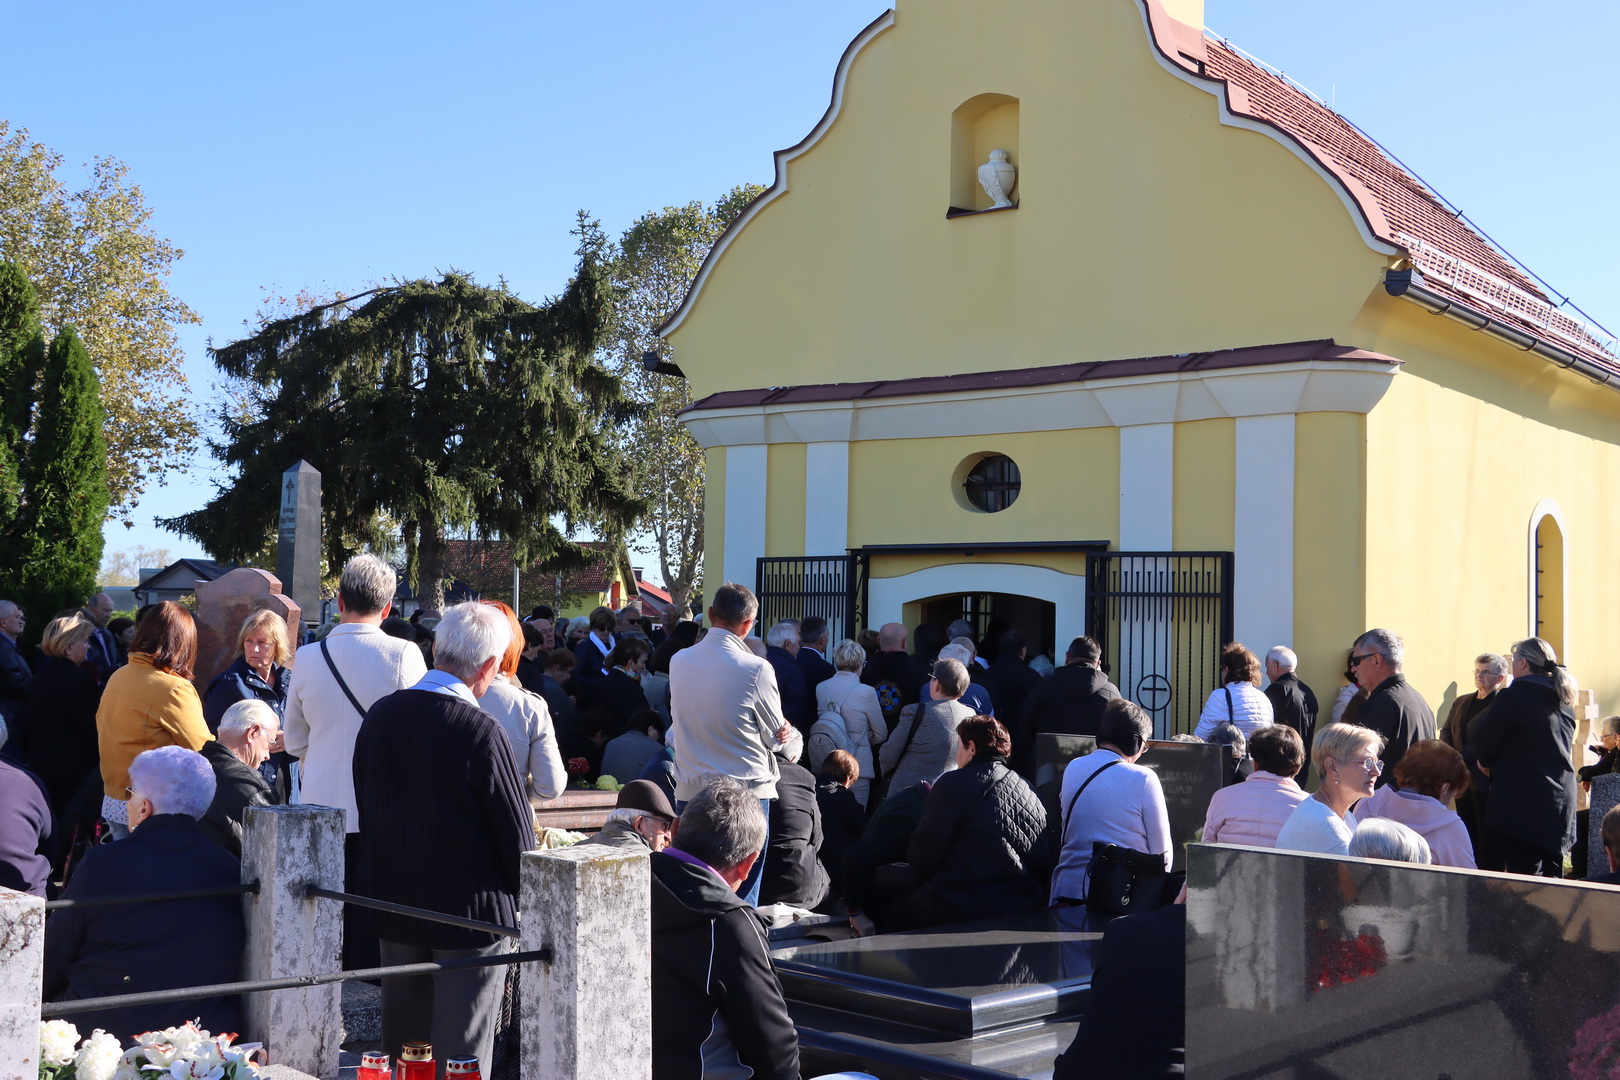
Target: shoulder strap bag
[327,655]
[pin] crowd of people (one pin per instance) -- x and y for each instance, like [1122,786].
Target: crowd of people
[763,768]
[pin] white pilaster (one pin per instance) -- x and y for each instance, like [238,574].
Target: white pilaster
[1147,486]
[747,472]
[826,498]
[1263,533]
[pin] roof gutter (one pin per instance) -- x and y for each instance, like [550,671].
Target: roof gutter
[1409,285]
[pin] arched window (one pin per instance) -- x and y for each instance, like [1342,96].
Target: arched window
[1547,575]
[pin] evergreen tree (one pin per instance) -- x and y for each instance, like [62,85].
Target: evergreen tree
[447,406]
[64,482]
[22,353]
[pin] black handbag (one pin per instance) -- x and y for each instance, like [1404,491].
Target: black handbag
[1120,881]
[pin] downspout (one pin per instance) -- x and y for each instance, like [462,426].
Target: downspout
[1409,284]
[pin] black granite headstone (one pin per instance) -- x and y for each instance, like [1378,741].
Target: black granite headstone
[1190,774]
[1052,755]
[298,538]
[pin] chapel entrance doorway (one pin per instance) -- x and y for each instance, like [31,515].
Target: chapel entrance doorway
[992,614]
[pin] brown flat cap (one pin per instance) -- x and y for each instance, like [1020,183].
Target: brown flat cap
[646,796]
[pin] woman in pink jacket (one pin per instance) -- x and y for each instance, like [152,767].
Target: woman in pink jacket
[1429,773]
[1254,811]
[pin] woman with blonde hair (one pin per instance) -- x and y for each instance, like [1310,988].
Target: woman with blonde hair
[526,719]
[259,673]
[1523,744]
[1346,758]
[148,703]
[62,702]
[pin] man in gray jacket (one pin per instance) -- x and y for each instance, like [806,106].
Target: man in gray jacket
[924,744]
[726,713]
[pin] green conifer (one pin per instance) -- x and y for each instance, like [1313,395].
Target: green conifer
[22,353]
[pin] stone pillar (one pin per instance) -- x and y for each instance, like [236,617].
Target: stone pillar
[585,1012]
[22,967]
[285,848]
[298,537]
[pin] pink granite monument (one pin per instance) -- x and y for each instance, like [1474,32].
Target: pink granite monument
[223,604]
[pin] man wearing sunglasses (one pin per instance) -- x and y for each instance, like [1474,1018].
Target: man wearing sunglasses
[1393,708]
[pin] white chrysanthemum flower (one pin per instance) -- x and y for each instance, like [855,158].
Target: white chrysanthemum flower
[58,1042]
[99,1058]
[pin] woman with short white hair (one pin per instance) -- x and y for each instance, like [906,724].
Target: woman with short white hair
[857,704]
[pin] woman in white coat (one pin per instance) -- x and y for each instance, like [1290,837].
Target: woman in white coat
[858,704]
[1240,699]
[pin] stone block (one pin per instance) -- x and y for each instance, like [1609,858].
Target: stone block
[22,964]
[285,848]
[223,604]
[585,1012]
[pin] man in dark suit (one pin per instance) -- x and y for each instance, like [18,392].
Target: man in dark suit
[15,675]
[103,652]
[812,658]
[781,649]
[436,784]
[1393,707]
[1292,702]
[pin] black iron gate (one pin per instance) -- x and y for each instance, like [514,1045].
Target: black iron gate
[1161,619]
[797,586]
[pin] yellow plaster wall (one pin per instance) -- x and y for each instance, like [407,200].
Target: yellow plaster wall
[714,516]
[784,508]
[1205,485]
[900,489]
[1330,561]
[899,565]
[1145,226]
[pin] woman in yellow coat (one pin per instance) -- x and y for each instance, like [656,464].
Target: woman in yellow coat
[149,702]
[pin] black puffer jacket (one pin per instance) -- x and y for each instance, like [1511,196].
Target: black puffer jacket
[1070,701]
[975,851]
[1524,739]
[717,1007]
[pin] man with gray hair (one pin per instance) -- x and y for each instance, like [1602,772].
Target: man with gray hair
[782,650]
[94,950]
[445,819]
[15,674]
[1292,702]
[241,745]
[334,681]
[717,1005]
[1393,707]
[103,651]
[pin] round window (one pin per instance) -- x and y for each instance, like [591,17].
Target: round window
[992,483]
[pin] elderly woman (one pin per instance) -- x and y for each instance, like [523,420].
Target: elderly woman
[1346,758]
[858,704]
[1524,744]
[975,849]
[1429,774]
[62,703]
[1106,797]
[1254,812]
[1490,675]
[259,673]
[148,703]
[100,950]
[526,720]
[1239,699]
[1386,838]
[246,732]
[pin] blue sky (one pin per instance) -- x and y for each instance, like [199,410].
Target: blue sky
[331,145]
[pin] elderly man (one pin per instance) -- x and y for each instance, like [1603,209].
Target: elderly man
[246,732]
[104,652]
[334,682]
[15,675]
[726,712]
[97,951]
[641,819]
[977,696]
[895,674]
[1393,707]
[1292,702]
[717,1006]
[782,650]
[812,655]
[445,818]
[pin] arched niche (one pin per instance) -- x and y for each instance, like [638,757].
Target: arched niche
[979,125]
[1547,575]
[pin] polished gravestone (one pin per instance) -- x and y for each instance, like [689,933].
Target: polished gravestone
[1306,965]
[987,999]
[1189,773]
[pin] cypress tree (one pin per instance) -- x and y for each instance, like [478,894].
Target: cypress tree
[22,353]
[64,486]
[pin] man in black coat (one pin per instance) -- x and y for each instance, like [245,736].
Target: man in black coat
[793,871]
[437,788]
[812,656]
[1070,701]
[95,952]
[15,674]
[781,649]
[895,674]
[1393,707]
[1010,678]
[1292,702]
[246,731]
[717,1005]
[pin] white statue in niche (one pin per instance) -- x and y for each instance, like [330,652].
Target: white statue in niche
[997,176]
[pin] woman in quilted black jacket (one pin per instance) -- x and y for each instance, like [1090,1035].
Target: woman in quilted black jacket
[976,852]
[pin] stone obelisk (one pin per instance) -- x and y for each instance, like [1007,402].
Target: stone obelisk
[298,538]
